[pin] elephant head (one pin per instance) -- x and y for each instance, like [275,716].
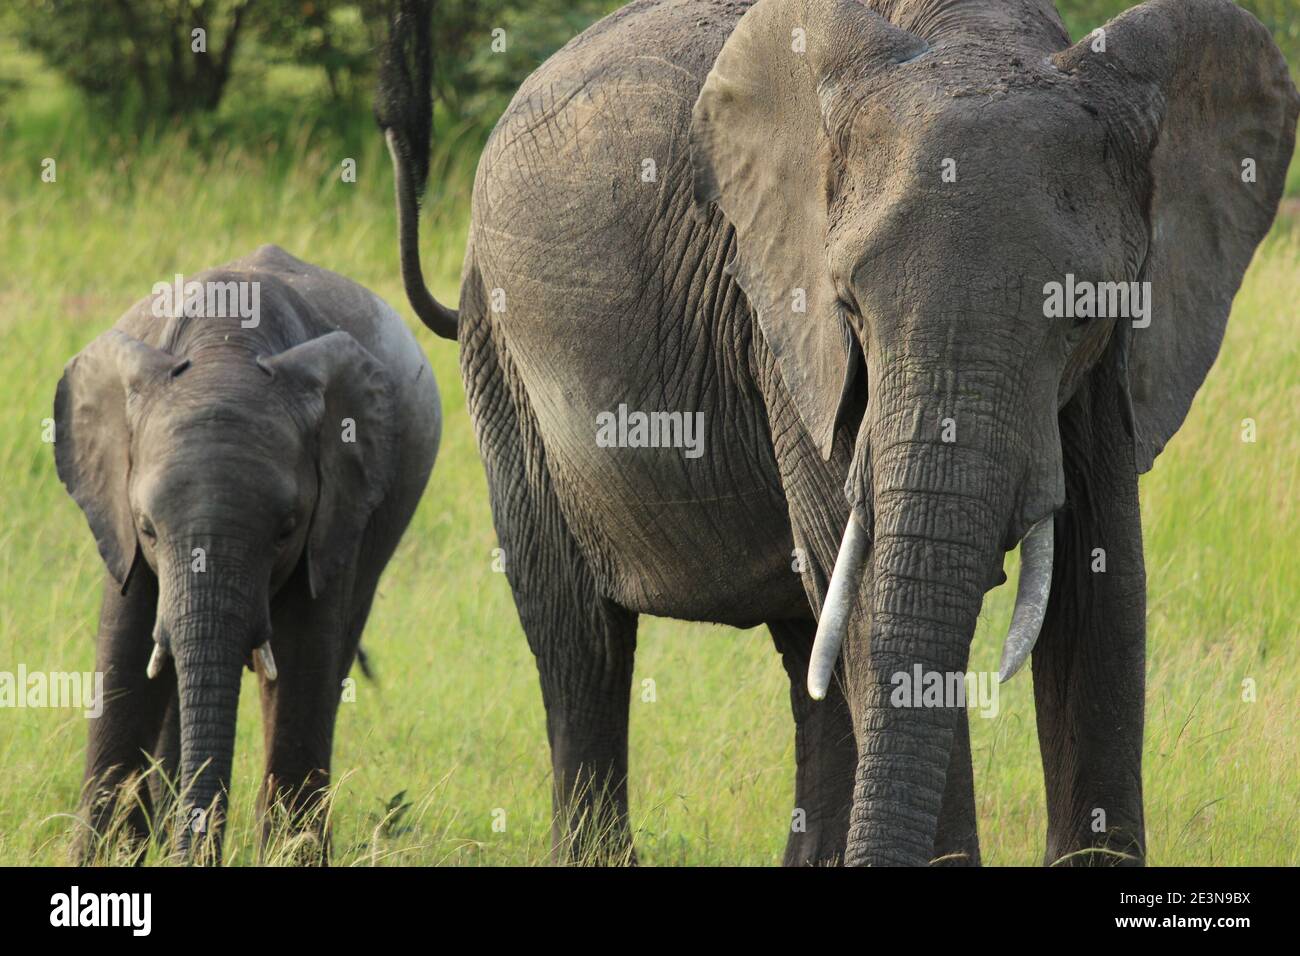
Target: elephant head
[222,471]
[909,181]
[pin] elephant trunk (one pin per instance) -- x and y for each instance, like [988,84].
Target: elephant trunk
[209,623]
[208,673]
[941,513]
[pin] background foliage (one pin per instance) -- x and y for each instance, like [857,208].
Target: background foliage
[132,57]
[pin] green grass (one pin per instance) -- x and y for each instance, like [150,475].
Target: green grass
[456,721]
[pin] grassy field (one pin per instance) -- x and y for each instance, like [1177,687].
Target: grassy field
[455,723]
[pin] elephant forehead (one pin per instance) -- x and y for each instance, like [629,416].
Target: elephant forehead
[986,132]
[987,200]
[185,480]
[205,415]
[917,250]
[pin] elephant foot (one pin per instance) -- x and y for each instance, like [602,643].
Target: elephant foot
[816,848]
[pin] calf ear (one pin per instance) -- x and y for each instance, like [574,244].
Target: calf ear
[760,150]
[350,399]
[92,436]
[1201,91]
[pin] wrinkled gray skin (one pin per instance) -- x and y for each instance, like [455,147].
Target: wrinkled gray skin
[180,434]
[822,171]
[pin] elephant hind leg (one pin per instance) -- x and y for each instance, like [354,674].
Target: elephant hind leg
[585,665]
[826,756]
[584,644]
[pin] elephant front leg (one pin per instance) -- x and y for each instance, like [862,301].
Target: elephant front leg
[956,841]
[116,804]
[1088,690]
[825,753]
[165,779]
[1089,663]
[299,712]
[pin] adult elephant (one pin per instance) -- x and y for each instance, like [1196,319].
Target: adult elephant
[835,230]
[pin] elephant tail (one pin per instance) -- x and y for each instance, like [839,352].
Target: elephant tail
[404,111]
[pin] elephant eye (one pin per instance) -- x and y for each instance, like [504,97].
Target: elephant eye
[146,529]
[286,531]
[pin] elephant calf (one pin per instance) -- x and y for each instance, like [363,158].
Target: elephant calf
[247,475]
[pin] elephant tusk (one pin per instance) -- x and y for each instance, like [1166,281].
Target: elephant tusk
[267,660]
[1036,553]
[157,661]
[834,619]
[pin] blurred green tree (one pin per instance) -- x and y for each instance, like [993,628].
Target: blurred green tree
[160,58]
[483,49]
[136,58]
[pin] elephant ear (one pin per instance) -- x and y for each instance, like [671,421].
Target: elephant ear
[350,402]
[1209,88]
[760,150]
[92,436]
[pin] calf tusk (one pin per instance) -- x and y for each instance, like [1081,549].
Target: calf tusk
[834,619]
[1036,553]
[157,661]
[267,660]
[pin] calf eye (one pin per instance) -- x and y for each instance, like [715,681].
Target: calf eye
[286,531]
[146,529]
